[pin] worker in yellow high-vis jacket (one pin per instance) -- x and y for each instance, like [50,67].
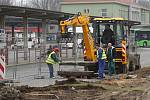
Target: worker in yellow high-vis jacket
[51,60]
[101,56]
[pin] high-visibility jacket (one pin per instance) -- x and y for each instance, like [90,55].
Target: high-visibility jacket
[103,54]
[50,60]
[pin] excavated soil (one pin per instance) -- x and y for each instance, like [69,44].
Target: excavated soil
[143,73]
[130,87]
[106,90]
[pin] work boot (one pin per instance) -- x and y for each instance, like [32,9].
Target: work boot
[51,76]
[104,75]
[100,78]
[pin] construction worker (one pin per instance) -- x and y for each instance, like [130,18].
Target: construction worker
[108,35]
[111,53]
[101,56]
[51,60]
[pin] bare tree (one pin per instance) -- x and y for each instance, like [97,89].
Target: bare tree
[144,3]
[55,5]
[46,4]
[6,2]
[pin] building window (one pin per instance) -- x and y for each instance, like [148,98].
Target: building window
[104,12]
[135,16]
[143,17]
[123,13]
[86,10]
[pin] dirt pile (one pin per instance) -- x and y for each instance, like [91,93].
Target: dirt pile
[124,82]
[68,92]
[103,90]
[70,80]
[143,73]
[10,93]
[133,87]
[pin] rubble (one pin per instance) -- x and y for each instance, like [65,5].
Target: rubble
[131,76]
[126,87]
[70,80]
[10,93]
[143,73]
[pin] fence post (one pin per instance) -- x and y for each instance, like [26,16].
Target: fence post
[29,54]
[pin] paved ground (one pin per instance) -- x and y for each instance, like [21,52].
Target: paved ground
[25,74]
[28,74]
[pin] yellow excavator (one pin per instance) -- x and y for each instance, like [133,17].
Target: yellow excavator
[82,21]
[127,57]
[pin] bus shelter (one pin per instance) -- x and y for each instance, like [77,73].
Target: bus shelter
[43,16]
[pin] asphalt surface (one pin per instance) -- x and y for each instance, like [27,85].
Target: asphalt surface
[28,74]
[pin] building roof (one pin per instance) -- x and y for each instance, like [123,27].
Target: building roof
[134,3]
[97,1]
[31,12]
[14,15]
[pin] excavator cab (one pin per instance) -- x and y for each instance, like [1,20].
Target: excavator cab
[112,30]
[117,32]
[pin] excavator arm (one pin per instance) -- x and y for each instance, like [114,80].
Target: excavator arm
[82,21]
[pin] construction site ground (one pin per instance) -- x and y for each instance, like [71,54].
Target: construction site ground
[135,86]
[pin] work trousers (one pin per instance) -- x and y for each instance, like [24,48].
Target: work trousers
[51,71]
[101,65]
[111,67]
